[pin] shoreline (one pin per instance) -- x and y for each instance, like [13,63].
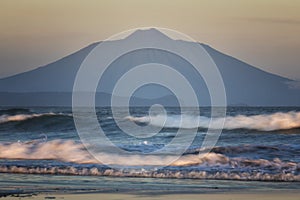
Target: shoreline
[216,195]
[14,186]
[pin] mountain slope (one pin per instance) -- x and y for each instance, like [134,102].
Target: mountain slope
[244,83]
[54,77]
[247,84]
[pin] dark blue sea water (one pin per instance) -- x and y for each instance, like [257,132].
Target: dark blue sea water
[256,144]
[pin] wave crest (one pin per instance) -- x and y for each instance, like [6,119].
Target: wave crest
[270,122]
[77,161]
[24,117]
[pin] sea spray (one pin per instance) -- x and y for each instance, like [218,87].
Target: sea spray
[265,122]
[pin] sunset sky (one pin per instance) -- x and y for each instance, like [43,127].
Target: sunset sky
[264,33]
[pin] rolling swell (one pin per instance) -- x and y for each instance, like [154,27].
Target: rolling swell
[75,160]
[263,122]
[40,122]
[247,148]
[27,117]
[45,141]
[14,111]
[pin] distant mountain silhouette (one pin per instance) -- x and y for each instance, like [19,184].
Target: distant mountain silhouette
[52,84]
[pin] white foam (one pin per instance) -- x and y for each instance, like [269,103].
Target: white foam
[67,151]
[270,122]
[23,117]
[192,174]
[71,151]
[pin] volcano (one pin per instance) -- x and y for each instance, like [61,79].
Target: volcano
[52,84]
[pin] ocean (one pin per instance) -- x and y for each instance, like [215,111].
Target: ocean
[258,147]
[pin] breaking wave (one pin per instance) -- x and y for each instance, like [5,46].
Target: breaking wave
[23,117]
[163,173]
[77,161]
[63,150]
[265,122]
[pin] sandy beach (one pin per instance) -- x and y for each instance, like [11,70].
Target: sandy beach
[270,195]
[30,186]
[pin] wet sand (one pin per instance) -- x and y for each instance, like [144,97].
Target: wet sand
[18,186]
[262,195]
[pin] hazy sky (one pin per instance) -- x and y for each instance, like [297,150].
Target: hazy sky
[264,33]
